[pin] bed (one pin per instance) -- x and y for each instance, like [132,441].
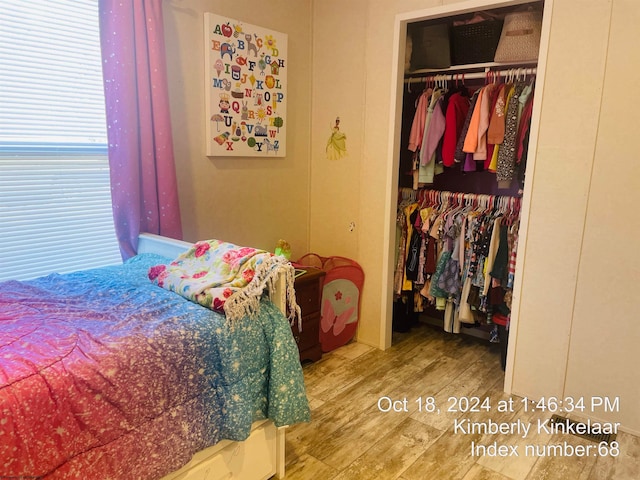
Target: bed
[105,375]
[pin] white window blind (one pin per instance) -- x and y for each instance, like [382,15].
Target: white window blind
[55,200]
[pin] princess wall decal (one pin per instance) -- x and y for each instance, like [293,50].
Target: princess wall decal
[337,143]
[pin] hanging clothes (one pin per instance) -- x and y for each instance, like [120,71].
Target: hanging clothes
[522,144]
[457,111]
[435,131]
[417,131]
[471,138]
[460,155]
[502,122]
[434,122]
[462,247]
[450,128]
[507,155]
[495,134]
[419,118]
[495,131]
[485,116]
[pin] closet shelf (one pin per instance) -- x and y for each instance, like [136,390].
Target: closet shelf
[472,67]
[471,71]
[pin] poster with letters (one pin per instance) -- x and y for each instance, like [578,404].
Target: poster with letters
[246,89]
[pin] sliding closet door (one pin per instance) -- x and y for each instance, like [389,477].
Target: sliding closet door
[549,257]
[604,352]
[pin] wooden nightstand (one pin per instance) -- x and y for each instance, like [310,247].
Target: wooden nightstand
[309,295]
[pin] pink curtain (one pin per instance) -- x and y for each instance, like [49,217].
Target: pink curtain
[143,178]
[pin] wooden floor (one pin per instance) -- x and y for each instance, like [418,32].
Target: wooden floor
[350,438]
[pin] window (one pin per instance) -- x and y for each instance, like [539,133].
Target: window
[55,200]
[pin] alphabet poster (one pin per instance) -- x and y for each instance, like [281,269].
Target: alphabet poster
[246,89]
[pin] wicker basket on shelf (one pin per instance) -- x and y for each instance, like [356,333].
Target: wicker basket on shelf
[475,42]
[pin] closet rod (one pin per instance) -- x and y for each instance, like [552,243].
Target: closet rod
[472,75]
[409,193]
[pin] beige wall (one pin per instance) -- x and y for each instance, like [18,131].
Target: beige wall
[338,47]
[353,47]
[249,201]
[604,354]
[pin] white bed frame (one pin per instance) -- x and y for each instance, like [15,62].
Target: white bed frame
[259,457]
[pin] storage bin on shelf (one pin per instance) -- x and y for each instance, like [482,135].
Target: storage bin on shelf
[475,42]
[341,292]
[429,46]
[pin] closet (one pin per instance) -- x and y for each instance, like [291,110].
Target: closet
[462,164]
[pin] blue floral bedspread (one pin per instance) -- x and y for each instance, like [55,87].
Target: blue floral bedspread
[105,375]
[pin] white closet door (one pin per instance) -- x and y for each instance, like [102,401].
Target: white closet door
[604,354]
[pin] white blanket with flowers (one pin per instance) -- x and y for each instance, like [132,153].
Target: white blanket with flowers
[226,278]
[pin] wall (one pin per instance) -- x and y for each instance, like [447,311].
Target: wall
[353,45]
[249,201]
[338,49]
[603,353]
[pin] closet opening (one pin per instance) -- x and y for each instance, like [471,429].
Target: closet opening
[455,206]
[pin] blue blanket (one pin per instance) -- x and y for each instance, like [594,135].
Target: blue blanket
[105,375]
